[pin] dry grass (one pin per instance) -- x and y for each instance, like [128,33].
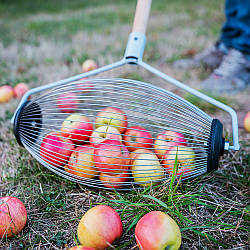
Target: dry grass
[212,211]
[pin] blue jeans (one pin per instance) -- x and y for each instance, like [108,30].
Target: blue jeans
[236,30]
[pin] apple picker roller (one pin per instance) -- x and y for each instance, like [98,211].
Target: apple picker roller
[149,134]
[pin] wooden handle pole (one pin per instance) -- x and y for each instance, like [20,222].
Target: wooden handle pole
[141,16]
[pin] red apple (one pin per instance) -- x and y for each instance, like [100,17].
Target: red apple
[89,65]
[81,162]
[99,227]
[137,137]
[13,216]
[77,128]
[113,117]
[138,152]
[247,122]
[185,160]
[20,89]
[166,141]
[81,248]
[104,132]
[114,181]
[67,102]
[85,86]
[156,231]
[6,93]
[111,157]
[56,149]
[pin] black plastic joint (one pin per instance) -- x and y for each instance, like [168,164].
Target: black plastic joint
[31,114]
[215,145]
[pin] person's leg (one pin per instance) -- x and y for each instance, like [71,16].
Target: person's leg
[236,30]
[233,73]
[229,29]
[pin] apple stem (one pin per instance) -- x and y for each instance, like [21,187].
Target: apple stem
[108,127]
[133,138]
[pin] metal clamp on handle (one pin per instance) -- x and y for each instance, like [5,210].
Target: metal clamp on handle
[135,46]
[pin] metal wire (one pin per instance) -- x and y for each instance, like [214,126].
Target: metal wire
[137,160]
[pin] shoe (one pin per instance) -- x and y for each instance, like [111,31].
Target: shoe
[210,58]
[231,76]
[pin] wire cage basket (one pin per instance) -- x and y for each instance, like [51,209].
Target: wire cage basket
[116,133]
[119,133]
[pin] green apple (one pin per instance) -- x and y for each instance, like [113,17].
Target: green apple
[146,169]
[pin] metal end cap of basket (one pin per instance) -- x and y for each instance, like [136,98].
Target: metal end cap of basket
[215,145]
[28,118]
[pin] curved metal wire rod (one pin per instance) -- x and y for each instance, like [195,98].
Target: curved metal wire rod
[236,145]
[187,105]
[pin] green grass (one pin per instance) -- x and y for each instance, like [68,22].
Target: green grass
[79,15]
[201,207]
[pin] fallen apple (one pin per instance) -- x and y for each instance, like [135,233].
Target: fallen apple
[13,216]
[67,102]
[146,169]
[89,65]
[6,93]
[81,162]
[56,149]
[99,227]
[157,230]
[185,157]
[166,141]
[137,137]
[104,132]
[111,157]
[247,122]
[77,128]
[81,248]
[112,117]
[20,89]
[114,180]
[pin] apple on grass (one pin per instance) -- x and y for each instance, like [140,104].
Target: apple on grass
[146,168]
[247,122]
[166,141]
[104,132]
[111,157]
[99,227]
[137,137]
[56,149]
[89,65]
[81,162]
[112,117]
[185,157]
[20,89]
[81,248]
[77,128]
[13,216]
[6,93]
[156,231]
[114,180]
[67,102]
